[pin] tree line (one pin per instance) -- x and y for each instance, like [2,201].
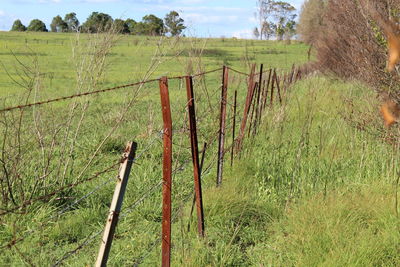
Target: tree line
[97,22]
[275,18]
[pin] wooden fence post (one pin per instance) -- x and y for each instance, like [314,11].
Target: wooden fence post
[222,122]
[195,155]
[116,204]
[167,173]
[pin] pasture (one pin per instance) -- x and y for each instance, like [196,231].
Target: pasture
[316,186]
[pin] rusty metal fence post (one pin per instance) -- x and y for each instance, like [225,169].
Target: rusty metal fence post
[247,107]
[222,124]
[195,155]
[116,204]
[167,173]
[258,110]
[233,126]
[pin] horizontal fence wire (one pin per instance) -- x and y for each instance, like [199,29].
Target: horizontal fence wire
[97,92]
[60,190]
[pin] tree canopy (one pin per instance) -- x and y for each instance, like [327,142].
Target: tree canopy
[72,22]
[174,24]
[37,25]
[58,25]
[101,22]
[18,26]
[275,18]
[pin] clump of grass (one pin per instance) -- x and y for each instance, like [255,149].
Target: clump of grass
[353,226]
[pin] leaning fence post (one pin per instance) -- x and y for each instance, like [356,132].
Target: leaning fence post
[272,86]
[277,80]
[167,173]
[266,89]
[116,204]
[247,107]
[258,111]
[195,155]
[222,121]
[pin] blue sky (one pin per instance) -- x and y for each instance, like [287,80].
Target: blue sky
[204,18]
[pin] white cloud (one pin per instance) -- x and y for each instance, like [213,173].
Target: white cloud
[198,18]
[2,13]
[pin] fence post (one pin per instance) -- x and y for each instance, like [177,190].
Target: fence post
[247,107]
[256,88]
[273,86]
[233,126]
[167,173]
[277,80]
[195,155]
[222,121]
[116,204]
[266,89]
[258,111]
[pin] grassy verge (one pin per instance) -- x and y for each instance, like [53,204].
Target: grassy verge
[311,190]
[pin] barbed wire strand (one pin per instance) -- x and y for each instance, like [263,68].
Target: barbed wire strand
[96,92]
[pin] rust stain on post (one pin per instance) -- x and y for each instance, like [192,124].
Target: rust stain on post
[195,155]
[167,173]
[222,124]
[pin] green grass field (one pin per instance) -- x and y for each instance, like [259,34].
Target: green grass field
[311,189]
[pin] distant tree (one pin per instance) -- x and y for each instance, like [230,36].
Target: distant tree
[264,14]
[18,26]
[140,29]
[268,29]
[58,25]
[174,24]
[153,25]
[284,14]
[121,26]
[290,29]
[97,22]
[72,22]
[37,25]
[256,33]
[131,25]
[311,20]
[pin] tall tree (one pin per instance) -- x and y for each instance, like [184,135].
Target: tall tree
[72,22]
[311,20]
[131,25]
[18,26]
[37,25]
[265,12]
[268,29]
[284,14]
[58,25]
[121,26]
[153,25]
[97,22]
[174,23]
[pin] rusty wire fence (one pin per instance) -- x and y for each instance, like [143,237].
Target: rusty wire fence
[60,159]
